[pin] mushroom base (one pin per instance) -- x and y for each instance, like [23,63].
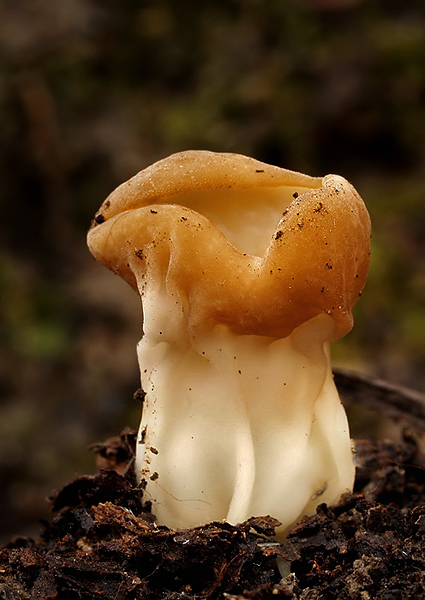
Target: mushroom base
[241,425]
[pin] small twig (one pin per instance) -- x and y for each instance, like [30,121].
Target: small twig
[392,400]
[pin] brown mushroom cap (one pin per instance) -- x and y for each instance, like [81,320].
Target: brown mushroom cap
[159,229]
[197,170]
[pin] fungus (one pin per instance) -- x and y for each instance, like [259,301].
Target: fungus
[246,272]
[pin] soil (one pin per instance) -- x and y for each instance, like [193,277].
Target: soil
[102,541]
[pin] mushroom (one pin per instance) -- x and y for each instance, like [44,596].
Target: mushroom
[246,272]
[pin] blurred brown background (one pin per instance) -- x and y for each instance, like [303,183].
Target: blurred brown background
[92,91]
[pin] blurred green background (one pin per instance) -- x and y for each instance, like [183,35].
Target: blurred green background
[92,91]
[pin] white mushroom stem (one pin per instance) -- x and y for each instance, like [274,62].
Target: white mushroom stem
[235,426]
